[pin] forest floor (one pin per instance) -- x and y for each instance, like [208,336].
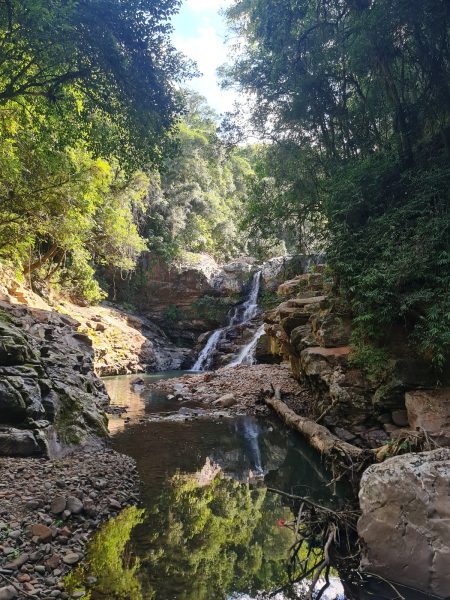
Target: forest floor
[48,511]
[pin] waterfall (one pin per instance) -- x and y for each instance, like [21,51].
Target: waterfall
[247,354]
[250,306]
[203,361]
[240,315]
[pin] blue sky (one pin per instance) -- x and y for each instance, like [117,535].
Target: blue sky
[199,32]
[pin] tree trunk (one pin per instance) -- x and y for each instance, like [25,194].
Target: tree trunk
[42,260]
[319,436]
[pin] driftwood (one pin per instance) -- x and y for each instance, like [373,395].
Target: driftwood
[319,437]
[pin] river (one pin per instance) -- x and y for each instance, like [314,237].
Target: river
[209,528]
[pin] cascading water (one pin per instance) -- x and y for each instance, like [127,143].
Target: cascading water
[205,357]
[241,315]
[247,354]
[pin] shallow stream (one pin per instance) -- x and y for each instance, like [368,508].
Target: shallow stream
[209,528]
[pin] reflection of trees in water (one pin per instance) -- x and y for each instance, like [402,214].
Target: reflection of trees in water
[110,563]
[205,536]
[207,541]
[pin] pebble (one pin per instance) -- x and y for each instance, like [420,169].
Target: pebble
[58,505]
[61,506]
[8,593]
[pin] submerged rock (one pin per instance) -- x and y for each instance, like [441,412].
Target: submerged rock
[405,522]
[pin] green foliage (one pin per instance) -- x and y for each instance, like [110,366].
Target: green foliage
[172,314]
[269,300]
[198,197]
[86,100]
[213,309]
[356,97]
[216,538]
[371,359]
[106,560]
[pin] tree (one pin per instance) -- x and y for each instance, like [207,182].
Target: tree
[102,59]
[202,188]
[358,92]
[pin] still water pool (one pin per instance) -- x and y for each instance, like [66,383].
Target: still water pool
[209,528]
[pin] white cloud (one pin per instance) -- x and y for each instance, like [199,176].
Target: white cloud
[209,52]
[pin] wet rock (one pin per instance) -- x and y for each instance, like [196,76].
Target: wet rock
[405,522]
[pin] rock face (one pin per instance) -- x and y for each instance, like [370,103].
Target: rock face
[49,394]
[194,296]
[430,410]
[125,343]
[405,522]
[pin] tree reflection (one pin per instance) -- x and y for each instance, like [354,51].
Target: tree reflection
[212,539]
[113,569]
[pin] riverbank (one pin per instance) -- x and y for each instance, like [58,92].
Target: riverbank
[49,510]
[239,389]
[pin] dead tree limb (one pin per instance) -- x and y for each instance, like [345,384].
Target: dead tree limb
[319,436]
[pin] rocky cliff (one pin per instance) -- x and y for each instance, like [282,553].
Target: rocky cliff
[405,501]
[50,397]
[193,295]
[311,330]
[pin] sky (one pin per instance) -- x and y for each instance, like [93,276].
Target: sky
[199,32]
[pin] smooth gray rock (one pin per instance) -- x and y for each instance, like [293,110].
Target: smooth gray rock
[405,522]
[18,442]
[8,593]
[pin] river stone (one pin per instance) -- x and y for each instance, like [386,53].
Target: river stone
[58,505]
[8,593]
[42,532]
[71,558]
[226,401]
[405,522]
[74,505]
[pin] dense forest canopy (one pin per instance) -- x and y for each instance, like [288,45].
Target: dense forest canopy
[355,95]
[87,102]
[103,155]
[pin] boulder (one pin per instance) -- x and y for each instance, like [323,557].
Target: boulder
[405,522]
[19,442]
[226,401]
[430,410]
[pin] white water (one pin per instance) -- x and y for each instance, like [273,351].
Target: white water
[203,361]
[242,314]
[250,306]
[247,354]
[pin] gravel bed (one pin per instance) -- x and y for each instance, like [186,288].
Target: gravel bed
[49,509]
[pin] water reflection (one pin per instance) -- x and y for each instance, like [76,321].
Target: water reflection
[134,393]
[210,529]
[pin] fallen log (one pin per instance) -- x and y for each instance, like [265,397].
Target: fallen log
[319,437]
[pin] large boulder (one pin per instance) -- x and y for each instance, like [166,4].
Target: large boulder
[20,442]
[405,522]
